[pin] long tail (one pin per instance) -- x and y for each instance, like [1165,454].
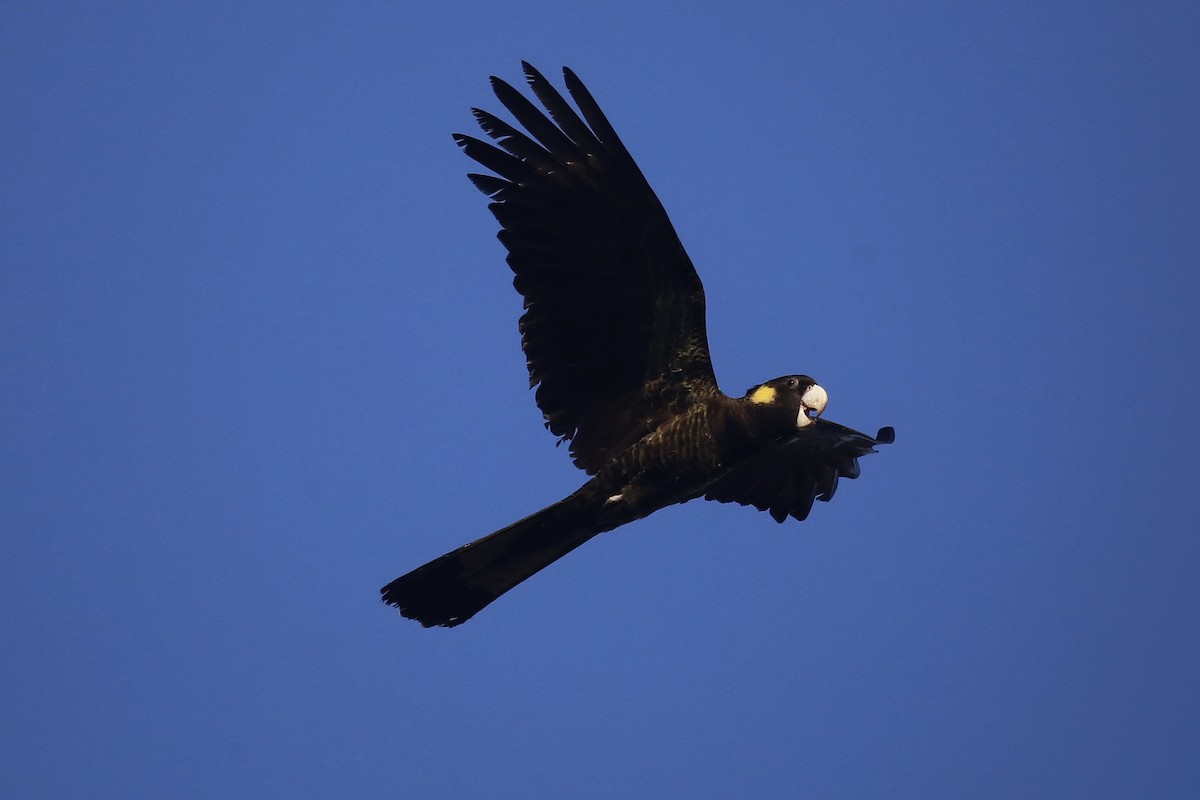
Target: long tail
[453,588]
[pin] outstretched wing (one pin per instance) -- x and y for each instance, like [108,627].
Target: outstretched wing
[613,330]
[787,477]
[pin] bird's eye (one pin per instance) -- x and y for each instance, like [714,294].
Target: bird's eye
[791,383]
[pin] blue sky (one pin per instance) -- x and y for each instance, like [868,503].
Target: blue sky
[258,356]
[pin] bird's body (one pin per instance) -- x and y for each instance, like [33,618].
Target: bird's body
[614,336]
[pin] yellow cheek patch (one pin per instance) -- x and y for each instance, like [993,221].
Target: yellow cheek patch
[764,395]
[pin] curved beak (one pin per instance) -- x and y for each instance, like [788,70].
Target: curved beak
[812,403]
[814,399]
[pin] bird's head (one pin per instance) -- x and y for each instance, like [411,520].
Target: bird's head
[796,394]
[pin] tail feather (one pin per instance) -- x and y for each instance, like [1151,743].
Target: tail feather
[453,588]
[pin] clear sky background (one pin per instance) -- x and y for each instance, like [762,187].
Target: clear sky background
[258,356]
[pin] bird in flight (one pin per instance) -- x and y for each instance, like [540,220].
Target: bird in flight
[614,338]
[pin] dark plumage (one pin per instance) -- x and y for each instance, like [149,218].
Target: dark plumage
[614,337]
